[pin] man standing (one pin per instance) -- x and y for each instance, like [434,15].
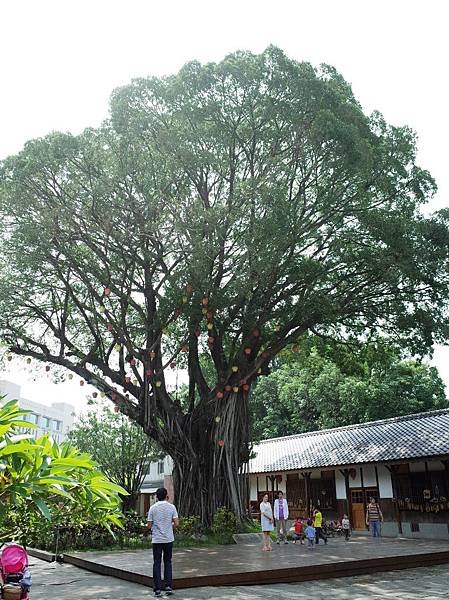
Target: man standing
[318,524]
[281,516]
[374,517]
[162,517]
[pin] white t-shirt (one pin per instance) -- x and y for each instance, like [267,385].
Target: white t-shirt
[161,514]
[345,524]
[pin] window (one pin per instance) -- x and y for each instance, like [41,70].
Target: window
[414,527]
[160,467]
[57,425]
[33,418]
[46,422]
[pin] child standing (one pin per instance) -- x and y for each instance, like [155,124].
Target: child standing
[310,534]
[346,526]
[266,522]
[299,531]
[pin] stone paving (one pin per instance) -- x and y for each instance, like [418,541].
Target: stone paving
[65,582]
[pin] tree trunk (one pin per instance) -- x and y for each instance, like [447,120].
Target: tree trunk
[208,459]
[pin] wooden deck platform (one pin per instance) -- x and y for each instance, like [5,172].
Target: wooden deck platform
[248,565]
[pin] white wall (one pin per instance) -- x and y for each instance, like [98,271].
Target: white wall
[385,484]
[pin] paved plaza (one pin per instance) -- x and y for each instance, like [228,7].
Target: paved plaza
[65,582]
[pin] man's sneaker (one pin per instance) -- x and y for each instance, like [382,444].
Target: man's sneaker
[168,591]
[157,594]
[278,542]
[285,542]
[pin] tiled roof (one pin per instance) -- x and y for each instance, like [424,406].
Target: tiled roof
[409,437]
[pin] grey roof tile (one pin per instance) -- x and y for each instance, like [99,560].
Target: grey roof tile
[408,437]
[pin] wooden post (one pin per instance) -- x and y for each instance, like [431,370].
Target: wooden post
[306,476]
[446,468]
[345,473]
[393,471]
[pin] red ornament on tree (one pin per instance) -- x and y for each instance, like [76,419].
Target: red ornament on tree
[94,394]
[173,365]
[116,409]
[211,339]
[184,348]
[220,395]
[246,387]
[228,388]
[149,373]
[107,291]
[265,355]
[189,288]
[110,327]
[256,332]
[221,443]
[81,382]
[128,379]
[210,315]
[205,301]
[247,351]
[133,362]
[197,332]
[152,354]
[47,368]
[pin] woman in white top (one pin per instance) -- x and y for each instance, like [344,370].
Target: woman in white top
[266,521]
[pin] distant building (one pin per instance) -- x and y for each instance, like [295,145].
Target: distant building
[57,419]
[159,475]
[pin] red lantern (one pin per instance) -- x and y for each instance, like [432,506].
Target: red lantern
[149,372]
[47,368]
[295,349]
[247,351]
[205,301]
[228,388]
[116,409]
[128,379]
[210,315]
[152,354]
[246,387]
[265,355]
[189,288]
[221,443]
[173,365]
[242,381]
[211,339]
[279,478]
[197,332]
[114,397]
[177,312]
[184,349]
[256,332]
[81,382]
[107,291]
[110,327]
[220,395]
[133,362]
[94,394]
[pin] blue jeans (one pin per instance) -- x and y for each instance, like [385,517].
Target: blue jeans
[375,528]
[167,551]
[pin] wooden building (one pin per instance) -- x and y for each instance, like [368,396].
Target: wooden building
[403,462]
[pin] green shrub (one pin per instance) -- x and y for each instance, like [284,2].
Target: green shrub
[190,527]
[224,525]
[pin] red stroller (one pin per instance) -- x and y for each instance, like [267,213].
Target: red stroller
[15,577]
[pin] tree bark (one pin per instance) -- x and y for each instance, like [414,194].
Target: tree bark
[209,459]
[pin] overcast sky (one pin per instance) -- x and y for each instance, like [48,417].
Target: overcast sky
[60,60]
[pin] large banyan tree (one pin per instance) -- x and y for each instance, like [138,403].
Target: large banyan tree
[218,216]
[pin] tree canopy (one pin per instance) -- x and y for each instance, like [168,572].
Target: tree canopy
[319,390]
[119,446]
[226,210]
